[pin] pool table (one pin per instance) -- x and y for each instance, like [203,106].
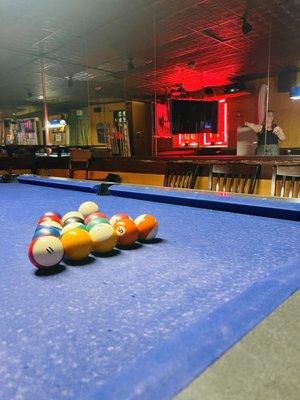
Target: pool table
[143,322]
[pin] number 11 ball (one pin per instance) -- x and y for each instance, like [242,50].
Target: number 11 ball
[147,227]
[45,251]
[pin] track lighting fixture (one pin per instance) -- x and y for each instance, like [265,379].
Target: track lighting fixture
[29,93]
[191,64]
[70,81]
[130,65]
[246,26]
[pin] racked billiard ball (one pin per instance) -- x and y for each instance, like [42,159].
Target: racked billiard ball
[88,207]
[147,226]
[49,218]
[118,217]
[77,244]
[46,231]
[71,220]
[71,226]
[127,232]
[52,214]
[93,216]
[95,222]
[45,251]
[72,214]
[104,238]
[51,223]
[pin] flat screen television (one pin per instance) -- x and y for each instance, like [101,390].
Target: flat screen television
[194,116]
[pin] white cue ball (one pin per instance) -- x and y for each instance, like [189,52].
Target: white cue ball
[88,207]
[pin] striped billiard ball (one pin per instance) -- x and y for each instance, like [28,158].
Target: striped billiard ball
[46,231]
[94,215]
[147,226]
[51,223]
[71,220]
[72,214]
[52,214]
[50,218]
[45,251]
[96,221]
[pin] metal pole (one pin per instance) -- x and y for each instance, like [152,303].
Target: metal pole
[44,91]
[89,133]
[268,81]
[154,136]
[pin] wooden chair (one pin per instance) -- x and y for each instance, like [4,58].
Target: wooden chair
[235,178]
[79,159]
[286,181]
[181,175]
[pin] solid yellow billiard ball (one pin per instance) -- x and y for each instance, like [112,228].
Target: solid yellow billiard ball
[77,244]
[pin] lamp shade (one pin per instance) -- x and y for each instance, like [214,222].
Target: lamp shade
[295,93]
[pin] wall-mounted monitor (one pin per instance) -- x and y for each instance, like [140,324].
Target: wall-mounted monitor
[194,116]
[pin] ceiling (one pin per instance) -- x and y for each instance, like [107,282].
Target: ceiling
[197,43]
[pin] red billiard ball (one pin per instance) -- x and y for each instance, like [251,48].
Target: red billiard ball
[49,218]
[45,251]
[90,217]
[127,232]
[52,214]
[51,223]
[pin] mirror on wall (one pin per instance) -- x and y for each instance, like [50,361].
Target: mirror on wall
[244,64]
[111,78]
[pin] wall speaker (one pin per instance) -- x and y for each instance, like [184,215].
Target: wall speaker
[97,109]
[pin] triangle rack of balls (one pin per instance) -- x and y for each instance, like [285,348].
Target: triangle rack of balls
[76,234]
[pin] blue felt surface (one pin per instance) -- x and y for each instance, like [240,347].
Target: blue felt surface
[274,208]
[62,183]
[143,322]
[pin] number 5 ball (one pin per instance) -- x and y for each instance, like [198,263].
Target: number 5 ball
[147,226]
[77,244]
[127,232]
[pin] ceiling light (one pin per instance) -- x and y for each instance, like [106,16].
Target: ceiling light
[295,93]
[191,64]
[246,26]
[40,97]
[70,81]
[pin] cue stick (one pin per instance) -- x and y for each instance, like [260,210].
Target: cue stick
[268,81]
